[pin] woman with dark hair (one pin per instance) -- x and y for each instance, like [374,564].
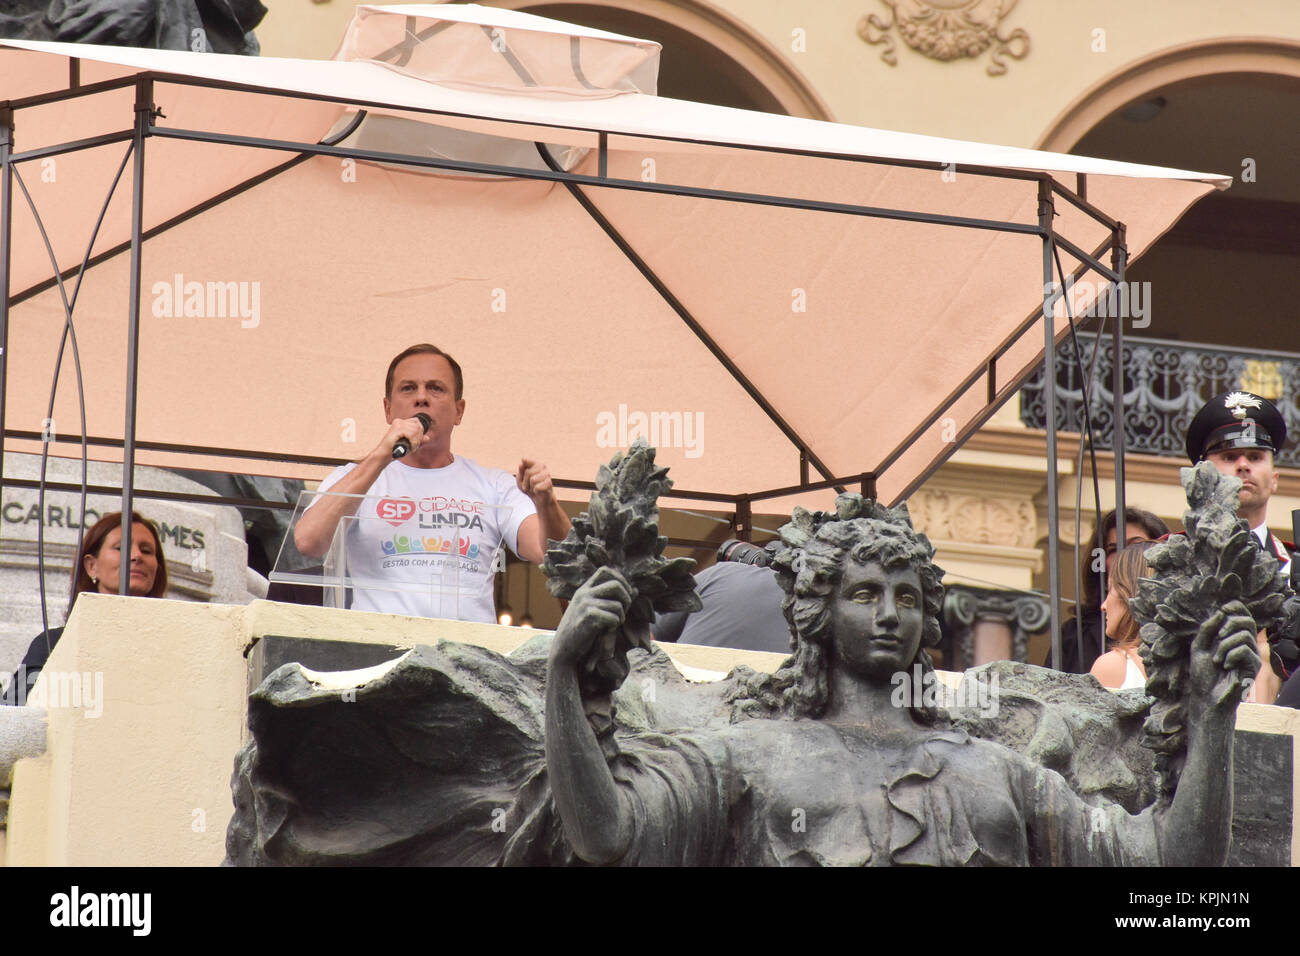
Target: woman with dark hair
[98,569]
[1120,667]
[1081,636]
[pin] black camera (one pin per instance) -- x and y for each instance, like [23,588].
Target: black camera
[742,552]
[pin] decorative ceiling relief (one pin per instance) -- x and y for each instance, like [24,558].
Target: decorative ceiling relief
[947,30]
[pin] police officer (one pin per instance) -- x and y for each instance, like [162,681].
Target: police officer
[1239,432]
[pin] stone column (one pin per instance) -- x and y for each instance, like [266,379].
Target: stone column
[986,624]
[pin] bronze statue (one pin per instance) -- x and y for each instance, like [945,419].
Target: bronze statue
[821,767]
[202,26]
[450,756]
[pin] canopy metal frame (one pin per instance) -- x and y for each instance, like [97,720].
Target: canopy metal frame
[145,126]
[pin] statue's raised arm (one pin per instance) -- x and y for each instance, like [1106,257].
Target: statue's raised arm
[612,570]
[1212,590]
[596,820]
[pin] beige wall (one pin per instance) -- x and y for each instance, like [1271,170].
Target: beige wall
[956,98]
[303,28]
[985,532]
[147,781]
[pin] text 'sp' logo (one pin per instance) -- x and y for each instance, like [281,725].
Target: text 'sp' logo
[396,511]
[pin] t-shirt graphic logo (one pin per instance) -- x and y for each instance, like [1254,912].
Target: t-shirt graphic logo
[396,511]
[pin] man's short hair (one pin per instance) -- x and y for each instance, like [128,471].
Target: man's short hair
[424,348]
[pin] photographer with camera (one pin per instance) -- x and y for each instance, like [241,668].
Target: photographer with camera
[742,604]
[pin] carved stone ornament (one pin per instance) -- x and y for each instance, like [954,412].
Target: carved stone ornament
[947,30]
[977,519]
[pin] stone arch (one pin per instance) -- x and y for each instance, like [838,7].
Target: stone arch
[751,71]
[1219,277]
[1189,61]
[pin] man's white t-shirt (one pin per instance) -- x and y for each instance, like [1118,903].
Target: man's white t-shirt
[424,540]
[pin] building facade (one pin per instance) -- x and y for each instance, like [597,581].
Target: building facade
[1193,84]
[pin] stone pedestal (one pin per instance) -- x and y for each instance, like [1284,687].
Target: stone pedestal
[207,558]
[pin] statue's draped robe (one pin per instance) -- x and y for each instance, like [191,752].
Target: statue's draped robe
[440,759]
[802,792]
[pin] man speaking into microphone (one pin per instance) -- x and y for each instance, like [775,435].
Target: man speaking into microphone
[426,535]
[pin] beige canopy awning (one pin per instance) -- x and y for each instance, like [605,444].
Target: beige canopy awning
[775,301]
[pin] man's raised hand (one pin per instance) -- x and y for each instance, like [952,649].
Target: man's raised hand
[534,480]
[412,429]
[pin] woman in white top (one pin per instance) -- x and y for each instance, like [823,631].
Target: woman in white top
[1121,667]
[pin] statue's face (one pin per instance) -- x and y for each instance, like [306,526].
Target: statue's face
[877,619]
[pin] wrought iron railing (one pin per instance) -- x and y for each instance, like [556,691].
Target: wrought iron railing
[1165,383]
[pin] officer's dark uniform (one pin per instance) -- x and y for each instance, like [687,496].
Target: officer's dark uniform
[1245,420]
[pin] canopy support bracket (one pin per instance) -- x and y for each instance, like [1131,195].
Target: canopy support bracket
[744,519]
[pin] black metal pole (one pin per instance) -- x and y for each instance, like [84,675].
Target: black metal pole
[635,185]
[1119,261]
[1045,213]
[6,221]
[143,115]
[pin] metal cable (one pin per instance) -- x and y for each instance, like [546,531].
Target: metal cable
[1084,387]
[69,332]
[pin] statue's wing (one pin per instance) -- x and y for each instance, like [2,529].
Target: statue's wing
[436,758]
[1064,722]
[419,761]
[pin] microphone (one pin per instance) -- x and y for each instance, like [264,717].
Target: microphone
[402,447]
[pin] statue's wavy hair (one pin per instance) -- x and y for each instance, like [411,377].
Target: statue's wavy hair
[809,569]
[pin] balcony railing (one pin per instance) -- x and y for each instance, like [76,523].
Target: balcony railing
[1165,384]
